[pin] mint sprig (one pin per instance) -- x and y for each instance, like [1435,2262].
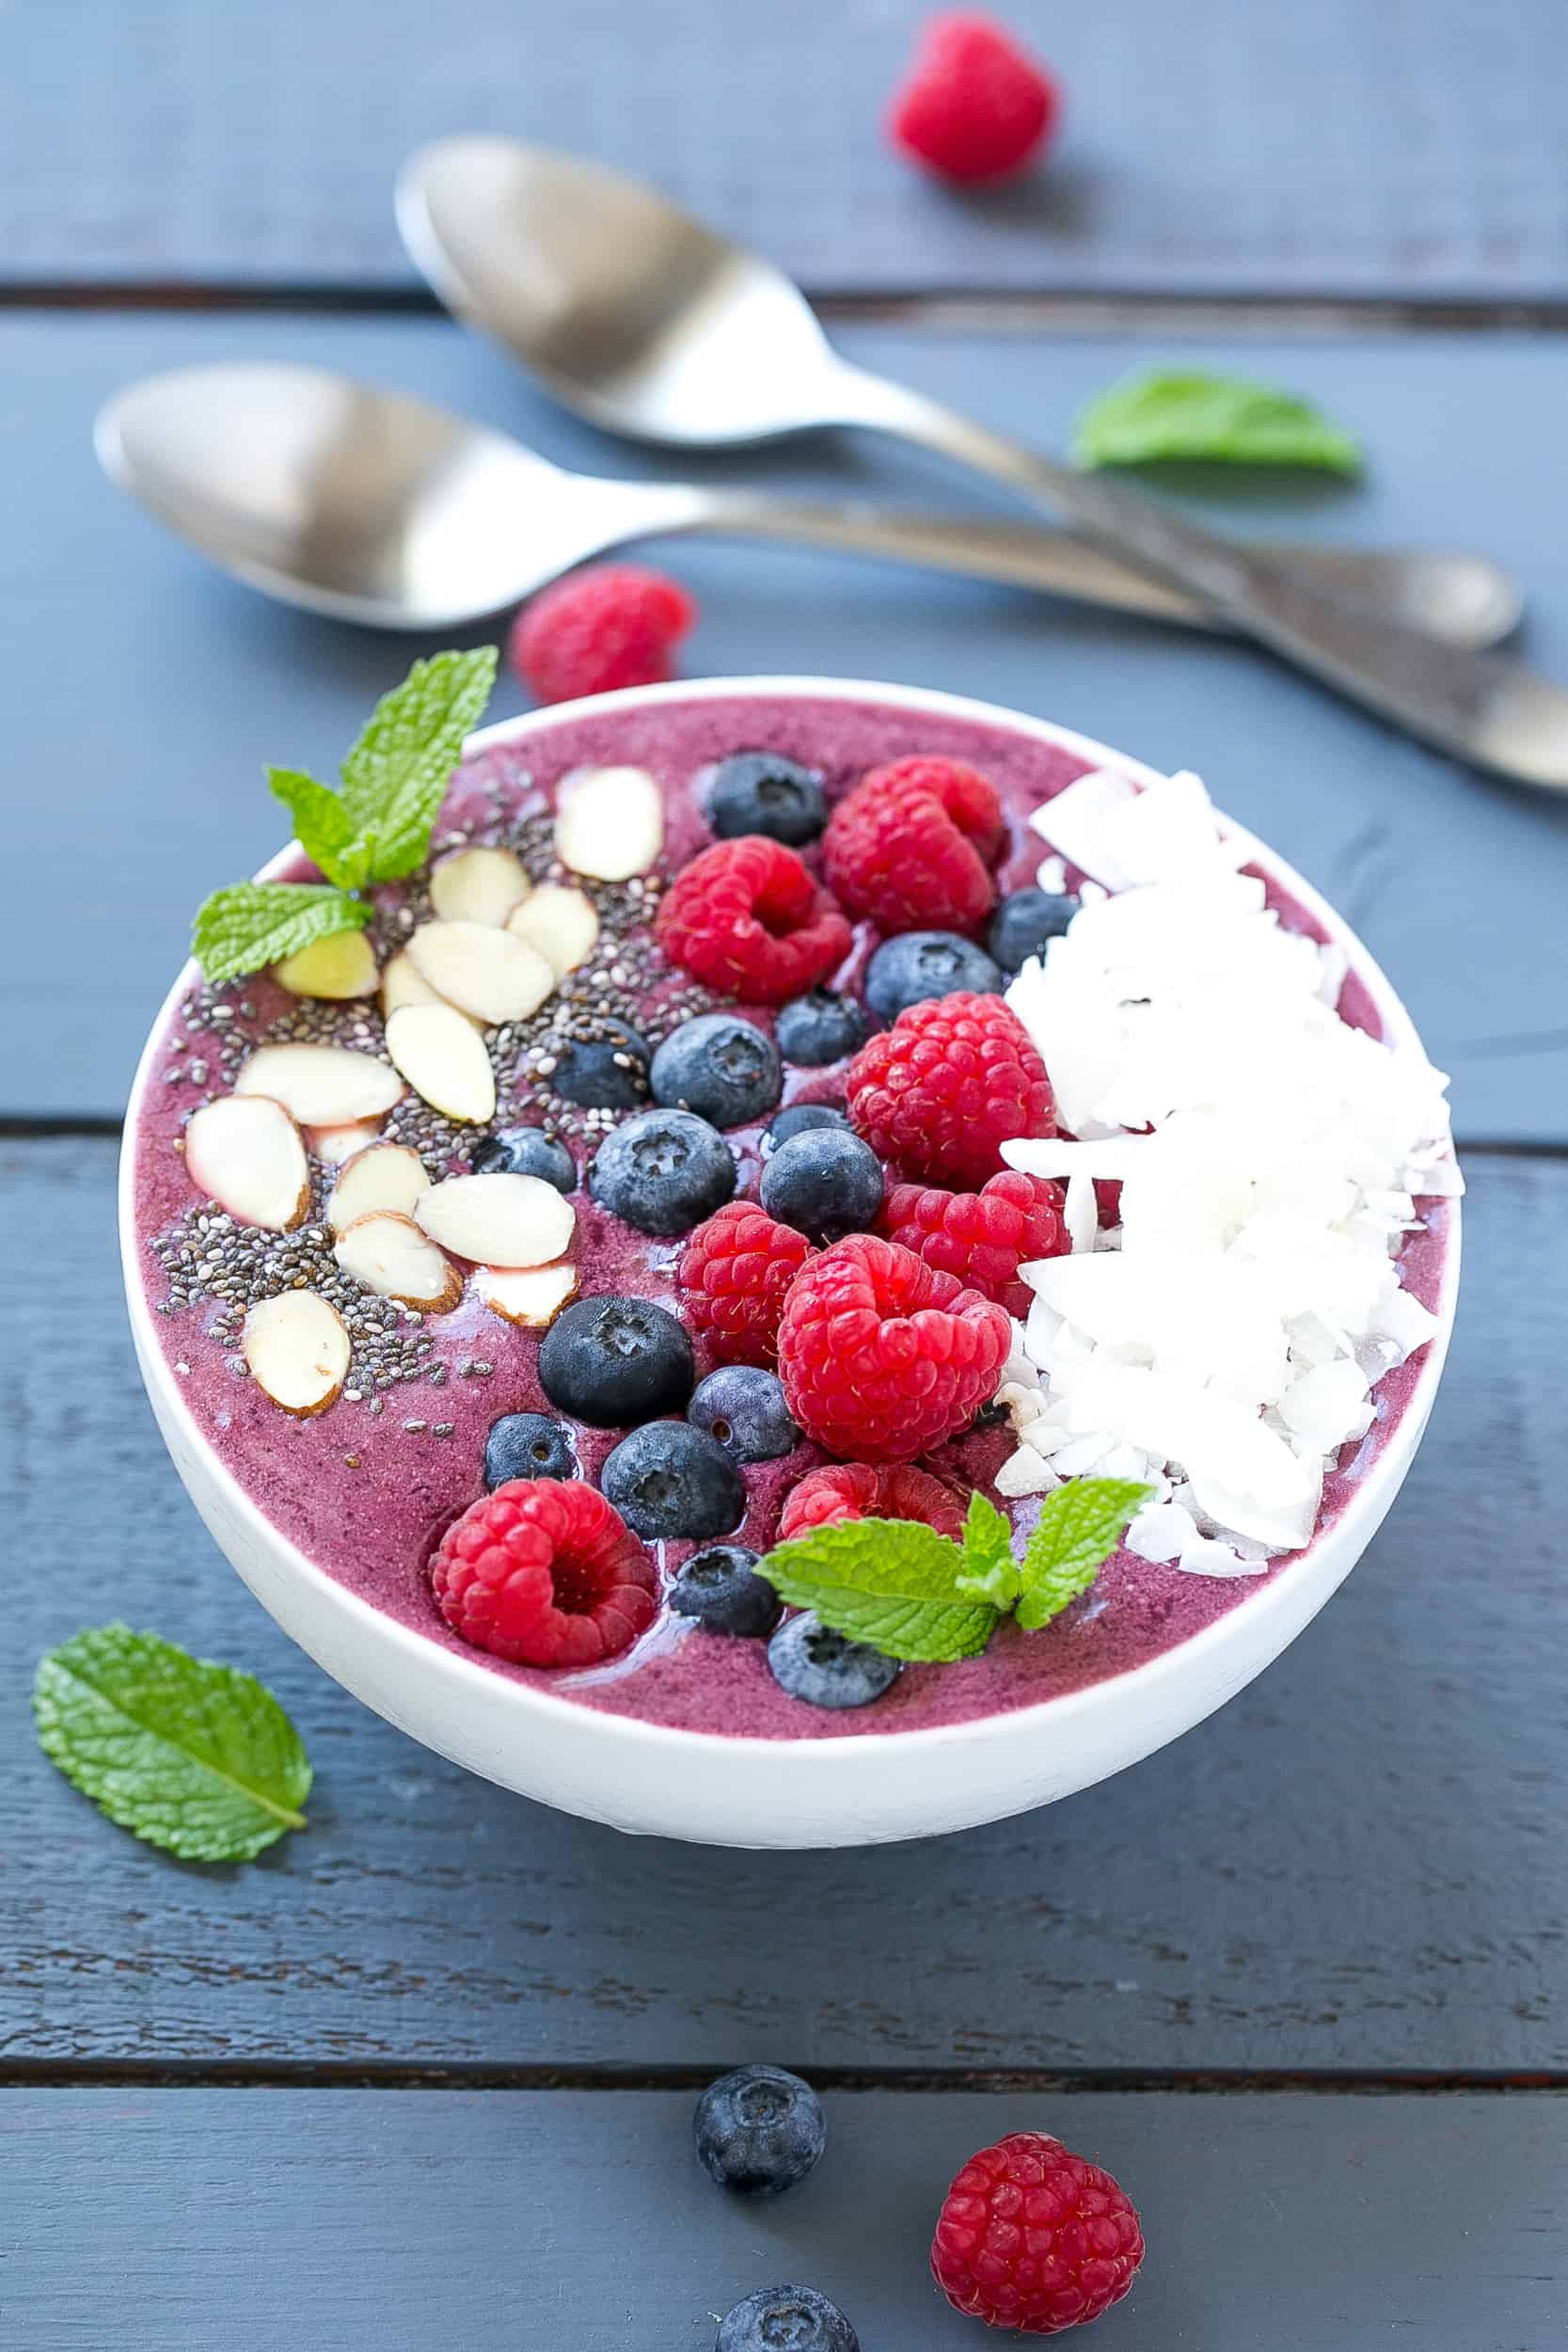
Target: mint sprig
[376,829]
[1149,419]
[196,1757]
[903,1589]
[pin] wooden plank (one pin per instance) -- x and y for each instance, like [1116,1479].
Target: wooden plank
[1411,151]
[1356,1865]
[139,761]
[416,2220]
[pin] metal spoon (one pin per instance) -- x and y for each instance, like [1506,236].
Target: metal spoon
[647,323]
[376,507]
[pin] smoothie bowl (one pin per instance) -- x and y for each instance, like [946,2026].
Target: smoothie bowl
[724,1468]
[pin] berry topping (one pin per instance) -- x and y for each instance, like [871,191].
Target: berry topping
[974,105]
[882,1357]
[611,1361]
[668,1479]
[527,1152]
[732,1276]
[914,966]
[744,1407]
[801,1119]
[823,1668]
[663,1171]
[543,1572]
[1023,925]
[612,624]
[983,1237]
[946,1086]
[760,2129]
[818,1028]
[865,1490]
[795,2317]
[910,847]
[747,918]
[1035,2239]
[604,1068]
[825,1182]
[721,1588]
[720,1068]
[527,1445]
[759,792]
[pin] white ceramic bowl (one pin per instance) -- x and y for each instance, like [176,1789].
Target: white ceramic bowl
[863,1790]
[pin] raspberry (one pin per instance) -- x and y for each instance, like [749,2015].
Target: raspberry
[909,847]
[859,1490]
[732,1276]
[612,624]
[983,1237]
[1034,2237]
[544,1573]
[950,1082]
[974,105]
[881,1357]
[745,918]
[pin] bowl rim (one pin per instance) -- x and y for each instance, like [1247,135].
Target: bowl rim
[1090,1702]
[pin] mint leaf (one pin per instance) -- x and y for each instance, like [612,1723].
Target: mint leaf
[396,776]
[891,1582]
[990,1570]
[1080,1525]
[256,924]
[323,826]
[195,1757]
[1170,415]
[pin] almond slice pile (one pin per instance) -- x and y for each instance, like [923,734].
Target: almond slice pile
[246,1152]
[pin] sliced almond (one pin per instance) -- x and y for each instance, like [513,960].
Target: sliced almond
[320,1085]
[477,886]
[482,971]
[444,1059]
[332,1146]
[609,822]
[497,1220]
[391,1257]
[387,1176]
[245,1153]
[562,925]
[296,1346]
[402,985]
[531,1295]
[340,965]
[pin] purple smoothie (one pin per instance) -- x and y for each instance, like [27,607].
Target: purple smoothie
[367,1492]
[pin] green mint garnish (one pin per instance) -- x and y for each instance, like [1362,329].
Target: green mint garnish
[903,1589]
[195,1757]
[376,829]
[1147,419]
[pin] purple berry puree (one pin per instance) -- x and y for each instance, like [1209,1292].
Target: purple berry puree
[366,1494]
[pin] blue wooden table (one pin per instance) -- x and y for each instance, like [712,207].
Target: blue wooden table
[421,2077]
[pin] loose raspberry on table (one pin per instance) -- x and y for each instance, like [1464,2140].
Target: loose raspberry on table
[910,847]
[732,1278]
[1035,2239]
[975,105]
[881,1357]
[868,1490]
[982,1237]
[747,918]
[611,625]
[946,1086]
[544,1572]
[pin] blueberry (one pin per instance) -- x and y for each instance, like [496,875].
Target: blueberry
[917,964]
[745,1409]
[663,1171]
[824,1183]
[723,1069]
[721,1588]
[819,1028]
[1024,923]
[759,792]
[761,2128]
[608,1071]
[670,1479]
[785,2319]
[800,1119]
[527,1152]
[527,1445]
[825,1669]
[613,1360]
